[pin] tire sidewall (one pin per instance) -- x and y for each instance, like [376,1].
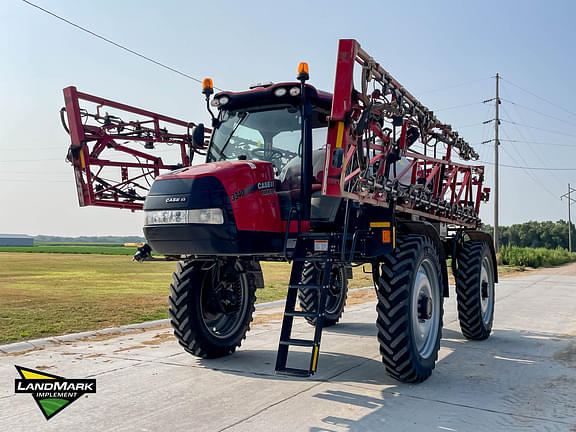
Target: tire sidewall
[196,308]
[196,338]
[486,254]
[342,295]
[430,253]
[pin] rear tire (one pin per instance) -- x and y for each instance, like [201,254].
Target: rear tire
[211,305]
[475,289]
[409,287]
[335,300]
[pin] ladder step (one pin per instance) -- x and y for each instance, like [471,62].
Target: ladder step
[302,373]
[297,342]
[310,286]
[301,314]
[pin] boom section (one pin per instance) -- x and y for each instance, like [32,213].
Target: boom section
[385,148]
[117,150]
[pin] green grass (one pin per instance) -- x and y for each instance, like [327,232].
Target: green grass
[45,294]
[74,248]
[540,257]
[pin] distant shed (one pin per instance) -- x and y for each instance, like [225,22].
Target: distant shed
[16,240]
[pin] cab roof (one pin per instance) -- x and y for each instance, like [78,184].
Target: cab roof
[263,94]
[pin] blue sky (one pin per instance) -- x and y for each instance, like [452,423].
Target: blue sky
[430,47]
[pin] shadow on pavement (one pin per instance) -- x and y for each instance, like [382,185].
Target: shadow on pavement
[515,379]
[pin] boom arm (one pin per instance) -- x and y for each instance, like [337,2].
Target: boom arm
[364,154]
[121,182]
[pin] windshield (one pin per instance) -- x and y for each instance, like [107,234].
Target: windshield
[270,134]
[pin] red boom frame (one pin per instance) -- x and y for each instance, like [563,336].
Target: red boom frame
[91,134]
[360,151]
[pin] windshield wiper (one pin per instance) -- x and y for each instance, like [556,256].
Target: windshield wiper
[240,120]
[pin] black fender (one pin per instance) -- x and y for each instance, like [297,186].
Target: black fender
[427,229]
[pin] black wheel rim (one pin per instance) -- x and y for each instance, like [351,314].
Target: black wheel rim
[223,300]
[335,293]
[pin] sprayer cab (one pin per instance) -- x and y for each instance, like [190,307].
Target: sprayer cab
[255,177]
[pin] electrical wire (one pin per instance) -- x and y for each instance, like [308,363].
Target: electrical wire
[539,142]
[537,128]
[527,167]
[538,112]
[532,176]
[458,106]
[131,51]
[539,97]
[470,125]
[530,147]
[454,86]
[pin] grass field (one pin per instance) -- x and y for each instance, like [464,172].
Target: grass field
[67,287]
[47,294]
[74,248]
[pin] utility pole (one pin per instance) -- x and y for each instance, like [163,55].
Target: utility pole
[496,165]
[496,140]
[570,202]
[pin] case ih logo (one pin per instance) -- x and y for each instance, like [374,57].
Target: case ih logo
[176,199]
[52,393]
[266,185]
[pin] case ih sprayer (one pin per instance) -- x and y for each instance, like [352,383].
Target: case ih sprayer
[365,175]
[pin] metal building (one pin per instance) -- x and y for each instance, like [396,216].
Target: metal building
[16,240]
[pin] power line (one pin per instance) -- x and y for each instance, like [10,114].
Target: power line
[541,98]
[529,168]
[537,128]
[531,175]
[131,51]
[538,112]
[470,125]
[458,106]
[538,142]
[537,154]
[454,86]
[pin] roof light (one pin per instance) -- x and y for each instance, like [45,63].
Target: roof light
[207,86]
[223,100]
[280,91]
[303,73]
[294,91]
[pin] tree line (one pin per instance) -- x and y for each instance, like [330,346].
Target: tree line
[549,235]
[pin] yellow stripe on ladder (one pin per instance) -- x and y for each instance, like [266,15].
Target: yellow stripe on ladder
[315,359]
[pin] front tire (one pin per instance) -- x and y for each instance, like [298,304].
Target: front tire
[409,287]
[475,289]
[211,305]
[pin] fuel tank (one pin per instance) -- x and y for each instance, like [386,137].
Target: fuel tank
[218,208]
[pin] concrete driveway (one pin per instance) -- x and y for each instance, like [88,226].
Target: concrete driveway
[522,378]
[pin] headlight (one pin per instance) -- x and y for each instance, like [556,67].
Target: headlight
[280,91]
[212,216]
[223,100]
[206,216]
[294,91]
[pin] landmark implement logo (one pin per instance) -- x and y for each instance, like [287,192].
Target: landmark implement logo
[52,393]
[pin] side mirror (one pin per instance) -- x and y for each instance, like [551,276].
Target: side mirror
[198,135]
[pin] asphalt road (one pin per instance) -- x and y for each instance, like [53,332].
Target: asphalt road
[522,378]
